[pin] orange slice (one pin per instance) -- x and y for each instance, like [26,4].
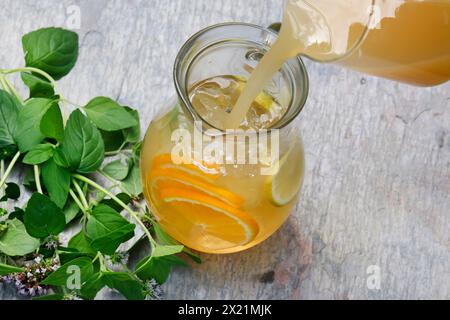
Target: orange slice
[207,221]
[206,171]
[170,179]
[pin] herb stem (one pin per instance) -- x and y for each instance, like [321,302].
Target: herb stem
[38,179]
[57,254]
[13,90]
[120,150]
[9,169]
[81,194]
[2,171]
[94,202]
[3,83]
[111,179]
[97,256]
[30,69]
[77,201]
[102,260]
[133,214]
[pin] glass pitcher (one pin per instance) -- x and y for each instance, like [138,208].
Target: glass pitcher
[403,40]
[225,191]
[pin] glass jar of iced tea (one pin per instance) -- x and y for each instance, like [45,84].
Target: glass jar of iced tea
[217,190]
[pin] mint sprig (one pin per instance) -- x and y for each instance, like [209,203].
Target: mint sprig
[60,160]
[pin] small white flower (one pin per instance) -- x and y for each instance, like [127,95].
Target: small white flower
[51,244]
[71,296]
[153,290]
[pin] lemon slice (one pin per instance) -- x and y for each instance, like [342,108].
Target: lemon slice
[285,185]
[209,172]
[263,100]
[169,178]
[209,223]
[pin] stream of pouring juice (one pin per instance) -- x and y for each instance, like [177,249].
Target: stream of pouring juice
[409,43]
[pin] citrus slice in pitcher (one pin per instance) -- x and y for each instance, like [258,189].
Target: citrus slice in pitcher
[200,220]
[174,178]
[209,172]
[263,100]
[285,184]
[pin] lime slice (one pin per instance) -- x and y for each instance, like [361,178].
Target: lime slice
[263,100]
[284,186]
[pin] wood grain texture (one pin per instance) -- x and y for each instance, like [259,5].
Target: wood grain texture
[377,187]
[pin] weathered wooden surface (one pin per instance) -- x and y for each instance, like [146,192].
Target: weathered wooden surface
[377,189]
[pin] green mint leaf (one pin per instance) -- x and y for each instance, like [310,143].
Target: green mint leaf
[165,239]
[15,241]
[81,243]
[108,229]
[132,183]
[117,169]
[38,154]
[111,203]
[128,285]
[92,286]
[28,133]
[83,149]
[71,211]
[68,254]
[56,181]
[113,140]
[6,269]
[133,134]
[60,158]
[108,115]
[163,251]
[157,268]
[159,264]
[52,125]
[137,151]
[43,217]
[18,214]
[9,110]
[12,191]
[60,277]
[52,50]
[29,181]
[109,243]
[7,152]
[39,88]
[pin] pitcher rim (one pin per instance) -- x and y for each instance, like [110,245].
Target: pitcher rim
[183,95]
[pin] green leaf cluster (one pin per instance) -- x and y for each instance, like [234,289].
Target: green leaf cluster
[59,159]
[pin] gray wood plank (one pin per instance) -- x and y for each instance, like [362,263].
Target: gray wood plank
[377,187]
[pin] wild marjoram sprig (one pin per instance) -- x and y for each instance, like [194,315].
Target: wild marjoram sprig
[59,160]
